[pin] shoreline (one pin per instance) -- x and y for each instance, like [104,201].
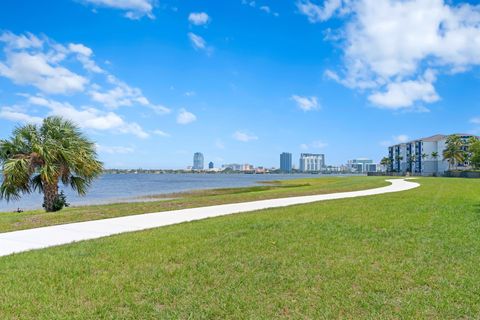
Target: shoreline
[286,188]
[111,188]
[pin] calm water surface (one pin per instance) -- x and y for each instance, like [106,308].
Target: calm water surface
[111,188]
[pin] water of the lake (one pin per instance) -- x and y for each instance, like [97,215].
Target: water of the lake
[112,188]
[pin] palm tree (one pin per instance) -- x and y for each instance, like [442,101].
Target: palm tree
[454,152]
[386,162]
[412,159]
[37,158]
[435,156]
[399,159]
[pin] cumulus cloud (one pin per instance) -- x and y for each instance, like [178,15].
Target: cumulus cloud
[38,70]
[134,9]
[185,117]
[89,117]
[244,136]
[122,95]
[389,46]
[399,95]
[83,55]
[198,18]
[32,61]
[24,41]
[16,114]
[47,65]
[306,103]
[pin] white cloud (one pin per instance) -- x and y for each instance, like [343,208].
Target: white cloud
[122,95]
[80,48]
[190,93]
[114,149]
[389,46]
[399,95]
[263,8]
[306,103]
[88,117]
[83,55]
[318,144]
[199,43]
[37,70]
[31,61]
[266,9]
[20,42]
[17,115]
[316,13]
[249,3]
[161,133]
[198,18]
[244,136]
[475,120]
[185,117]
[45,64]
[135,9]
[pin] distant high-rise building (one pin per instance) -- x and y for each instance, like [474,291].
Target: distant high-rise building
[198,161]
[286,162]
[311,162]
[211,165]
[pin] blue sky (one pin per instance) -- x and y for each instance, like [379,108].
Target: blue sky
[152,82]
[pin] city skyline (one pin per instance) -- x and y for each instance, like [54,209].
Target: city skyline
[154,83]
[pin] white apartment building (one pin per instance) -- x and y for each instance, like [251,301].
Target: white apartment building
[238,167]
[311,162]
[422,156]
[362,165]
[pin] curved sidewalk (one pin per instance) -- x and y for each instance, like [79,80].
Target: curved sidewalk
[25,240]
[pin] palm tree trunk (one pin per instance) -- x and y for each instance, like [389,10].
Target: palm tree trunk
[50,194]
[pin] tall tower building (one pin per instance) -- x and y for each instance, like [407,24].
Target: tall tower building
[286,162]
[198,161]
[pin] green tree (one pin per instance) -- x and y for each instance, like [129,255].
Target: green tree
[37,158]
[474,150]
[386,162]
[411,160]
[454,151]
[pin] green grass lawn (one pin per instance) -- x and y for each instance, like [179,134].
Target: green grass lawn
[39,218]
[407,255]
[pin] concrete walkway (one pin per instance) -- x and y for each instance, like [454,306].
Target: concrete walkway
[25,240]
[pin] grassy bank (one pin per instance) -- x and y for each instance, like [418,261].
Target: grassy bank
[278,189]
[407,255]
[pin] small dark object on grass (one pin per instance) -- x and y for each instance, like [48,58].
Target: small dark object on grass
[18,210]
[59,203]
